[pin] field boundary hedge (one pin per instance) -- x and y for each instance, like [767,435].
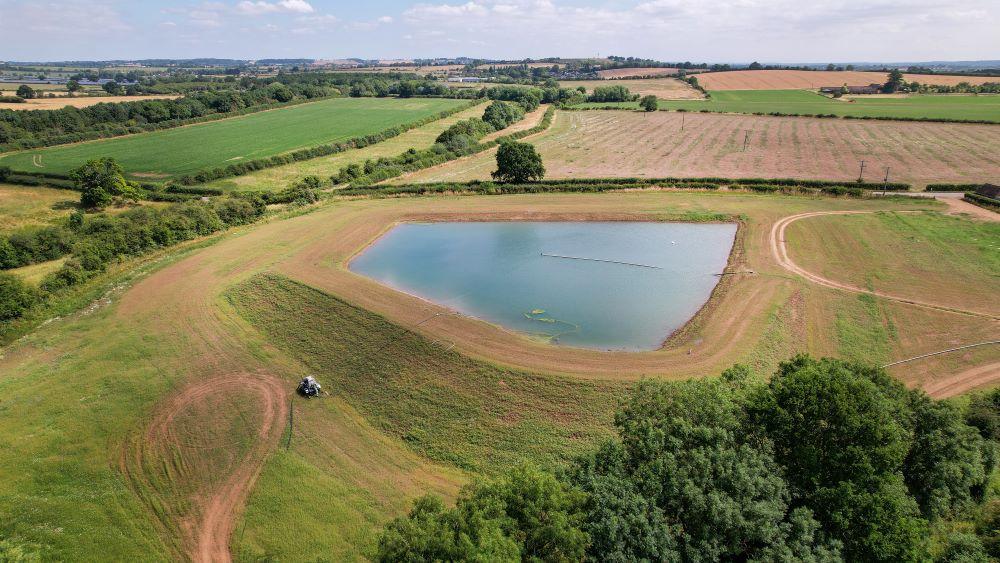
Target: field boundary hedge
[596,185]
[952,187]
[983,201]
[785,114]
[242,168]
[384,174]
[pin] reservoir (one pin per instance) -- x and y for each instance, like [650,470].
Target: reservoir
[600,285]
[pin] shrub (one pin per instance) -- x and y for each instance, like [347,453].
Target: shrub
[502,114]
[615,93]
[16,297]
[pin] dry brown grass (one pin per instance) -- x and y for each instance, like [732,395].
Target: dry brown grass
[625,144]
[663,88]
[806,79]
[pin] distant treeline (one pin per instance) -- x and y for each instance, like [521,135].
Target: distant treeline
[29,129]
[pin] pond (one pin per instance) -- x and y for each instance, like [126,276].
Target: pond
[600,285]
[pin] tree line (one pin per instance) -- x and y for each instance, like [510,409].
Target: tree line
[827,461]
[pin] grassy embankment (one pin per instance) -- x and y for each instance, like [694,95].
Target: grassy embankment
[926,106]
[161,155]
[456,411]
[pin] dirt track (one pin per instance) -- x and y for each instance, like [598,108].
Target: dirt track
[207,528]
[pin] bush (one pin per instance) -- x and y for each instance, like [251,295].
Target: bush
[615,93]
[502,114]
[16,297]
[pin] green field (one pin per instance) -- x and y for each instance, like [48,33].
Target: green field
[969,108]
[161,155]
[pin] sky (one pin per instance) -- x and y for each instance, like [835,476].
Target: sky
[786,31]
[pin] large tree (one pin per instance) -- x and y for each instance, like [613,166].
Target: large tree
[101,181]
[26,92]
[518,163]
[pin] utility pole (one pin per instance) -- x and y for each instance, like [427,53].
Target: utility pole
[885,182]
[746,140]
[683,115]
[861,174]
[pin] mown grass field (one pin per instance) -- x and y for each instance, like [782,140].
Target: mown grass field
[281,177]
[918,106]
[595,144]
[161,155]
[917,255]
[21,206]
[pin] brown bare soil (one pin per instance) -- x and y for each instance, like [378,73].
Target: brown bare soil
[809,79]
[81,102]
[626,144]
[664,88]
[630,72]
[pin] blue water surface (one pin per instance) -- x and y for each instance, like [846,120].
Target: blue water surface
[498,272]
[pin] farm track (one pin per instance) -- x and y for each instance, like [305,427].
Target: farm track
[780,252]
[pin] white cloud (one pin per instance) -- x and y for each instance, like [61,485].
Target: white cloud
[260,7]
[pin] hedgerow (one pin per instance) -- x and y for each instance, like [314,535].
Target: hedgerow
[376,171]
[585,185]
[983,201]
[952,187]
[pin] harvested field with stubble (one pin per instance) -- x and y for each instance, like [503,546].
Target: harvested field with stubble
[80,102]
[626,144]
[663,88]
[810,79]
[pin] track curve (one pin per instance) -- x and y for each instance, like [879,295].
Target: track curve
[207,527]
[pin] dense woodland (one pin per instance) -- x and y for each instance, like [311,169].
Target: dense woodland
[827,461]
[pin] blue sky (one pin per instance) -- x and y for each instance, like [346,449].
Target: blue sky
[672,30]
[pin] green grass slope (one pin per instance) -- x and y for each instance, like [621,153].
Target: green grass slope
[397,400]
[959,107]
[161,155]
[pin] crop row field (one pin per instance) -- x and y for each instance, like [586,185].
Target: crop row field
[588,144]
[812,79]
[959,107]
[161,155]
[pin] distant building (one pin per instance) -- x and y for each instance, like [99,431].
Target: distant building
[473,79]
